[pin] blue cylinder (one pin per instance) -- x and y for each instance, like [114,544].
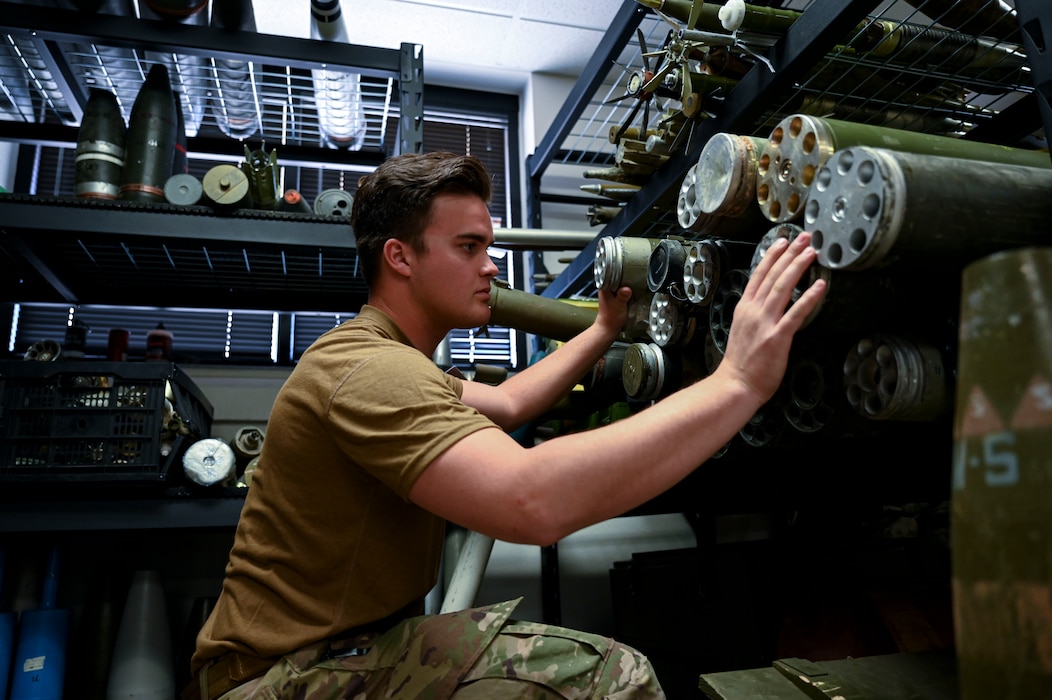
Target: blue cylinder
[40,660]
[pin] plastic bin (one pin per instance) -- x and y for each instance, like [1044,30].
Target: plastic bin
[96,422]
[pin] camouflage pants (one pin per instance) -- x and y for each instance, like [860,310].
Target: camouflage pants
[476,654]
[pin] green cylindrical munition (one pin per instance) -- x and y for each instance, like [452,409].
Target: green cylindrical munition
[1001,523]
[976,17]
[261,169]
[874,207]
[757,19]
[532,313]
[890,377]
[726,175]
[801,144]
[623,261]
[621,193]
[897,42]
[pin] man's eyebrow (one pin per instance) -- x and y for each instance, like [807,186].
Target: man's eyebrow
[474,236]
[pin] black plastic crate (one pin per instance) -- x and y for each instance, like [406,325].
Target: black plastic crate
[96,422]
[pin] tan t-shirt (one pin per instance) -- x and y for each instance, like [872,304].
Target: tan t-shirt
[327,539]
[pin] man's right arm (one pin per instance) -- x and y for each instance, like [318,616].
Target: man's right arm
[489,483]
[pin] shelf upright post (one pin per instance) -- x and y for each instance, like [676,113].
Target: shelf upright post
[411,96]
[1035,19]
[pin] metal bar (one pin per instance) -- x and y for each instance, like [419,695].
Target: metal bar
[42,267]
[168,224]
[55,23]
[821,27]
[620,31]
[551,593]
[411,100]
[1035,19]
[65,81]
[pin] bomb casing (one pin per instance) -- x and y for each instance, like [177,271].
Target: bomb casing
[100,147]
[151,139]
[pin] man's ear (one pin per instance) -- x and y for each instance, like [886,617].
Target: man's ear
[398,256]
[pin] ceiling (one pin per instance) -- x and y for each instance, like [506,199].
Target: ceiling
[482,44]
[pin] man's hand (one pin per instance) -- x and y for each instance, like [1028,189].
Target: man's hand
[764,324]
[613,311]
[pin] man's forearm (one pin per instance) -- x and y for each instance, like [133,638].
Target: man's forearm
[538,387]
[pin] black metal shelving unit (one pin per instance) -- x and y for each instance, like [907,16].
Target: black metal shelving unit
[121,253]
[90,251]
[63,249]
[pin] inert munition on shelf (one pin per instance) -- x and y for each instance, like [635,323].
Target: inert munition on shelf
[100,147]
[801,144]
[150,148]
[872,207]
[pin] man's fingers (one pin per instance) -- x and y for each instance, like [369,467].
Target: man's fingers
[778,257]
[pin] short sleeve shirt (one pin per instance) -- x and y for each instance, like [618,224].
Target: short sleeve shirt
[328,539]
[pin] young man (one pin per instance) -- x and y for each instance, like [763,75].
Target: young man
[371,448]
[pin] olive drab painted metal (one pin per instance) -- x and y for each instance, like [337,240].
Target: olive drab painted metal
[1002,473]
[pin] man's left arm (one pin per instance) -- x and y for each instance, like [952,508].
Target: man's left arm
[527,394]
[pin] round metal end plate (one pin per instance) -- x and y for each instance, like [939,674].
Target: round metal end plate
[719,174]
[797,148]
[845,209]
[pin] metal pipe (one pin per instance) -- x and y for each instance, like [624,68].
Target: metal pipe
[872,207]
[541,239]
[468,573]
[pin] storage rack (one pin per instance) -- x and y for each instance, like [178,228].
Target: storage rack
[758,101]
[74,251]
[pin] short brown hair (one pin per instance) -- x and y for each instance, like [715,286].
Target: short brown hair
[394,201]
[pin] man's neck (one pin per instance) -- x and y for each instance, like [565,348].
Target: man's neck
[411,321]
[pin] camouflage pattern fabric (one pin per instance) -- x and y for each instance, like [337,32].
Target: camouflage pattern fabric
[466,655]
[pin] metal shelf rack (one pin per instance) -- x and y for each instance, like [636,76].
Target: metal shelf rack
[51,57]
[87,251]
[996,104]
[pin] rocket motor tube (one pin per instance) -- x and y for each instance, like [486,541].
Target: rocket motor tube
[800,144]
[873,207]
[100,147]
[532,313]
